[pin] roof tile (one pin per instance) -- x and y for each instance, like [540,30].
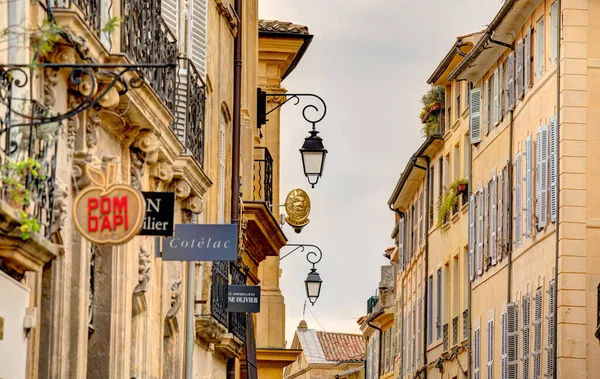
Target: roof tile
[342,346]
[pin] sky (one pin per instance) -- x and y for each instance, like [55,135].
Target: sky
[370,61]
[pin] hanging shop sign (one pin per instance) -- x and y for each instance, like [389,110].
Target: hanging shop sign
[243,299]
[297,207]
[201,242]
[107,213]
[160,212]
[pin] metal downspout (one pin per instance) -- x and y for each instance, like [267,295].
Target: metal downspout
[237,109]
[509,245]
[470,188]
[401,289]
[380,341]
[554,337]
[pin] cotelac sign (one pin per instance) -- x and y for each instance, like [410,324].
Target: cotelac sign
[106,213]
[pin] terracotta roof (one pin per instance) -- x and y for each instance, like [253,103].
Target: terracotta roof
[281,27]
[342,346]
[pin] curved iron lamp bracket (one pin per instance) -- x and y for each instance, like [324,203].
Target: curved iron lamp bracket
[17,75]
[319,109]
[312,256]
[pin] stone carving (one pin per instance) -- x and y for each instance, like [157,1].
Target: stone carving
[194,204]
[111,99]
[80,160]
[143,150]
[72,125]
[162,171]
[209,330]
[51,76]
[91,128]
[182,189]
[143,273]
[171,324]
[60,210]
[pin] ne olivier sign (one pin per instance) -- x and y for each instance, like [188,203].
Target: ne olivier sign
[160,211]
[201,242]
[243,299]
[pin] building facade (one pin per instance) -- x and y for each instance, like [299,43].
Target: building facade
[146,95]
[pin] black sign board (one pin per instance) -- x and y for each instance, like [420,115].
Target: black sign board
[243,299]
[160,213]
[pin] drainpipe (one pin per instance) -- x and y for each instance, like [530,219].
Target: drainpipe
[401,288]
[469,293]
[555,341]
[237,106]
[380,341]
[426,263]
[509,244]
[190,330]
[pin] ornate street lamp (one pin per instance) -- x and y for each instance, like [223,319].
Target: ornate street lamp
[313,152]
[313,280]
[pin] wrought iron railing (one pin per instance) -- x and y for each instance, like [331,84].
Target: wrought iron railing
[146,38]
[28,152]
[190,109]
[455,330]
[218,296]
[371,303]
[465,316]
[237,321]
[445,336]
[263,176]
[464,197]
[90,9]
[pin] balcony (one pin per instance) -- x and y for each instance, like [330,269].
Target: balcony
[445,336]
[262,189]
[455,331]
[237,321]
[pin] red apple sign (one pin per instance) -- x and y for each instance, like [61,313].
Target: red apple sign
[107,213]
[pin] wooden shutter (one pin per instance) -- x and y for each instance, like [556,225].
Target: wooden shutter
[479,254]
[553,169]
[527,63]
[513,340]
[518,198]
[520,79]
[475,115]
[419,327]
[537,335]
[510,81]
[169,10]
[414,335]
[507,173]
[490,349]
[539,49]
[486,226]
[528,185]
[504,345]
[477,354]
[496,98]
[421,239]
[551,331]
[526,334]
[493,218]
[401,244]
[501,91]
[472,242]
[542,176]
[487,117]
[499,237]
[198,35]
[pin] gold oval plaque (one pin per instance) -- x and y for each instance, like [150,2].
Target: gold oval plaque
[297,207]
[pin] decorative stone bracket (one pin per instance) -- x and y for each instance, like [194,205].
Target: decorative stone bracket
[171,324]
[139,292]
[209,330]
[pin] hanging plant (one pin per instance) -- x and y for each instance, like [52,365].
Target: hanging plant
[450,199]
[433,103]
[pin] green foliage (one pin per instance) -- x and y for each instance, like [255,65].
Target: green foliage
[433,103]
[29,225]
[448,200]
[111,25]
[46,37]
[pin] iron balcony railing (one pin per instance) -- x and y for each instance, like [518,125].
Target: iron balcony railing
[90,9]
[455,330]
[263,176]
[445,336]
[237,321]
[146,38]
[190,106]
[28,153]
[218,295]
[465,316]
[371,303]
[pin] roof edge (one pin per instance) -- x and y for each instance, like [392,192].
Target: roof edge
[307,41]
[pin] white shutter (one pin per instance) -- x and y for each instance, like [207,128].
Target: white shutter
[528,185]
[475,115]
[553,32]
[490,349]
[414,335]
[421,229]
[169,10]
[504,345]
[520,65]
[553,144]
[539,49]
[510,81]
[551,331]
[496,98]
[477,354]
[526,334]
[472,236]
[518,198]
[527,71]
[419,327]
[507,173]
[401,244]
[493,218]
[537,335]
[222,152]
[501,92]
[487,117]
[479,254]
[513,340]
[486,226]
[198,35]
[499,237]
[542,176]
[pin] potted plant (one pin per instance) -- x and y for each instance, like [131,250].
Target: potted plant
[461,186]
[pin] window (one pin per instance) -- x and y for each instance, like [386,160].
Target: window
[438,323]
[449,118]
[430,309]
[487,99]
[456,162]
[441,178]
[554,15]
[539,48]
[447,172]
[465,276]
[458,103]
[430,196]
[466,158]
[455,288]
[446,293]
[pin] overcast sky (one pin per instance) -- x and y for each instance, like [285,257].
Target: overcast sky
[369,60]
